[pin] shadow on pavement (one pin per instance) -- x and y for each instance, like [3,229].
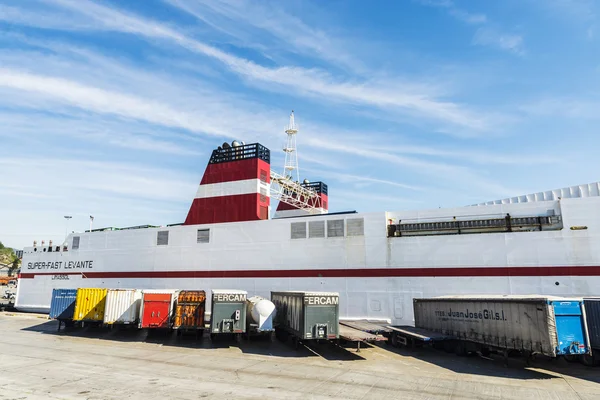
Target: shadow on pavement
[256,345]
[517,368]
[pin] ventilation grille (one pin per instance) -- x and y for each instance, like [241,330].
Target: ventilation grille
[203,236]
[162,238]
[298,230]
[264,212]
[355,227]
[263,194]
[335,228]
[316,229]
[75,242]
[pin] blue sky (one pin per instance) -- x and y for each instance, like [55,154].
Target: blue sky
[111,108]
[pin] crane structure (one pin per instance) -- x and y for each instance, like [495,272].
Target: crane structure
[283,187]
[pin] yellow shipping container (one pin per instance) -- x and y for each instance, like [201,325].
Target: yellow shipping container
[89,305]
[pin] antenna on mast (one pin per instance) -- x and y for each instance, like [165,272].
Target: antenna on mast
[291,153]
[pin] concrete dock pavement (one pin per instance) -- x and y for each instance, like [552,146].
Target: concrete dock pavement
[38,362]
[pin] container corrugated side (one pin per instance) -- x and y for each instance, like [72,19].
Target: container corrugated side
[190,308]
[122,306]
[521,324]
[289,308]
[592,314]
[62,305]
[90,304]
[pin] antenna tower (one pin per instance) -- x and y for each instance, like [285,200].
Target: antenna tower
[291,153]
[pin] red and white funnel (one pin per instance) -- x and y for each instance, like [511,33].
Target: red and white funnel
[235,186]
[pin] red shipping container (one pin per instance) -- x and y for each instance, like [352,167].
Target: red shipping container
[156,310]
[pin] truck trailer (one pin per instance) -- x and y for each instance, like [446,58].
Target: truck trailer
[535,324]
[306,316]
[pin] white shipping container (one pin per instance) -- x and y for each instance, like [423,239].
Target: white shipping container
[525,323]
[122,306]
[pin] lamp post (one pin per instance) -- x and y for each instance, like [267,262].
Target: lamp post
[67,217]
[91,221]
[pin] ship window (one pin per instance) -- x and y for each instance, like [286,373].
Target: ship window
[335,228]
[316,229]
[298,230]
[263,175]
[203,236]
[75,242]
[355,227]
[162,238]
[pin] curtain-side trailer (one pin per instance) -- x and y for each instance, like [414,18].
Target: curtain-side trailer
[534,324]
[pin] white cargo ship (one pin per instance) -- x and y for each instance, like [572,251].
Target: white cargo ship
[545,243]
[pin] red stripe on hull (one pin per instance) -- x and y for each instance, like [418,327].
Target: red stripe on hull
[243,207]
[346,273]
[237,171]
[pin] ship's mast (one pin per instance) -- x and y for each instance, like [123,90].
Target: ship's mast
[287,188]
[291,170]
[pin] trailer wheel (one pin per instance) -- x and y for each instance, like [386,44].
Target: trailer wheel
[295,343]
[590,360]
[571,358]
[449,346]
[395,341]
[460,349]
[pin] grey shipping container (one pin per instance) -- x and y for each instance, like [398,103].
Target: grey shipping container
[228,312]
[534,324]
[307,315]
[592,316]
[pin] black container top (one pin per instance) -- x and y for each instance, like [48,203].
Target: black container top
[244,152]
[318,187]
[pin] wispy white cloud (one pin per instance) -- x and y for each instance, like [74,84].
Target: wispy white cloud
[318,84]
[572,108]
[491,37]
[245,20]
[488,34]
[439,171]
[359,179]
[58,129]
[467,17]
[579,13]
[456,12]
[64,177]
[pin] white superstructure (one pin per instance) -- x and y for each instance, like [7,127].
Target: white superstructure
[377,262]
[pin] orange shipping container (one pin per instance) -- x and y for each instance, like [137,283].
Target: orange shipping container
[189,311]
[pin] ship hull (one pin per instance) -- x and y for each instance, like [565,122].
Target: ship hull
[376,275]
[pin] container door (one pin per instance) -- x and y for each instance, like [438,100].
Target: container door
[570,327]
[156,310]
[63,303]
[322,322]
[156,314]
